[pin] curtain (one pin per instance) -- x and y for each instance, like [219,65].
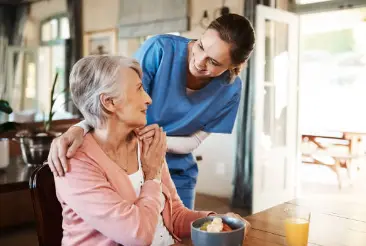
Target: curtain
[74,12]
[73,46]
[12,22]
[4,40]
[242,197]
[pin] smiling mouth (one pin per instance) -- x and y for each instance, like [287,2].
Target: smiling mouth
[198,69]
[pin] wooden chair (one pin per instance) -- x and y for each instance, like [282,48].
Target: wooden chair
[47,209]
[338,149]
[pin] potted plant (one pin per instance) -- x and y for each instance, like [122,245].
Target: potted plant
[4,127]
[35,143]
[6,109]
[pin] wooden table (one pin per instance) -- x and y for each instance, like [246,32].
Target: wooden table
[331,224]
[16,176]
[15,200]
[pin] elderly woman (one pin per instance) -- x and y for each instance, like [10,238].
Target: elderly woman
[118,190]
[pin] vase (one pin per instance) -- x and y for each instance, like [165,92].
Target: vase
[4,153]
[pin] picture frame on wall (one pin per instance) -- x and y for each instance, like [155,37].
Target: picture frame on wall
[102,42]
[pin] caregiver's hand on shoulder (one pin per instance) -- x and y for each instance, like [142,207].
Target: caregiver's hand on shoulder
[153,155]
[247,224]
[64,147]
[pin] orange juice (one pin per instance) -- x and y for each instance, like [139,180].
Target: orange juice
[297,231]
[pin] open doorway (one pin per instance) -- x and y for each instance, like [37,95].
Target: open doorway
[332,80]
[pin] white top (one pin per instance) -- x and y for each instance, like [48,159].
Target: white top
[162,236]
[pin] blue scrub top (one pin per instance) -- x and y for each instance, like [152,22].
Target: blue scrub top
[163,59]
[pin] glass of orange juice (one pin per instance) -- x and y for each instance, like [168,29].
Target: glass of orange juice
[297,227]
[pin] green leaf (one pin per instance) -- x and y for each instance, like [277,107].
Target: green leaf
[52,102]
[5,107]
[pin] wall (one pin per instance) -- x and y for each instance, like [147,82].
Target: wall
[100,15]
[97,15]
[216,169]
[38,12]
[44,9]
[196,12]
[128,46]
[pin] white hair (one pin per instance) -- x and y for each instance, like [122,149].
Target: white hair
[92,76]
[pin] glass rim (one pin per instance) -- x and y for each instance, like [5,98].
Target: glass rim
[297,213]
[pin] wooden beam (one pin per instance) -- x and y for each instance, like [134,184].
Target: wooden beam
[18,2]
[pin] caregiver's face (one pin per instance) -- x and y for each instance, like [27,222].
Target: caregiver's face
[210,56]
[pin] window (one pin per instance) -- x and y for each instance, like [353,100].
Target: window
[55,29]
[46,32]
[64,28]
[55,32]
[333,70]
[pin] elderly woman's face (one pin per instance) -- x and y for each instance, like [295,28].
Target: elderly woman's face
[132,107]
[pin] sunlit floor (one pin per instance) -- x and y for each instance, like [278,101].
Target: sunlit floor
[320,182]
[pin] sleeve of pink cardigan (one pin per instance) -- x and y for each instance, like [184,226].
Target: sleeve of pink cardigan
[87,191]
[182,217]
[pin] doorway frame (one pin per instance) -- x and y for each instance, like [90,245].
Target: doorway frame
[315,8]
[326,6]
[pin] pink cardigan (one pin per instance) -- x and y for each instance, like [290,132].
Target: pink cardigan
[100,206]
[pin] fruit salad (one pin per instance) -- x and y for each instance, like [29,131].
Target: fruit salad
[216,225]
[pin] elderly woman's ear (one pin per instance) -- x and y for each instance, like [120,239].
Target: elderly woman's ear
[108,104]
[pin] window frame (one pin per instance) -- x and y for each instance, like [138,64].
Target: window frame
[324,6]
[58,39]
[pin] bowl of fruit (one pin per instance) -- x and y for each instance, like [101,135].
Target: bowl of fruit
[218,230]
